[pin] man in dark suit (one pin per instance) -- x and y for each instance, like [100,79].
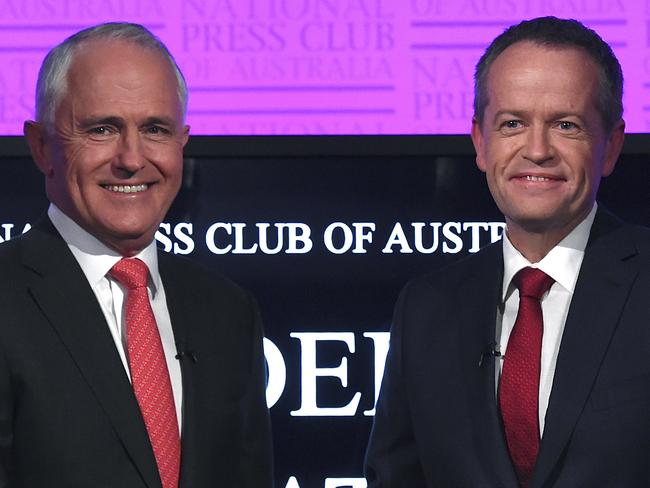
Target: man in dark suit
[527,364]
[121,366]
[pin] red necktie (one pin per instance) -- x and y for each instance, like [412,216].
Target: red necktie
[519,386]
[149,374]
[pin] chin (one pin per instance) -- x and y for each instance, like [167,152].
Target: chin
[130,236]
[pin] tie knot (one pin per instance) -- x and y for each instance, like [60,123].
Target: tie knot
[132,273]
[532,282]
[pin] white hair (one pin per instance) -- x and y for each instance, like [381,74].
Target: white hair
[53,76]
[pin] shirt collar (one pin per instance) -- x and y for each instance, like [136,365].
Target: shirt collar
[95,258]
[562,263]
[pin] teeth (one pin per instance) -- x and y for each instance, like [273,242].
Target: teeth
[126,188]
[537,178]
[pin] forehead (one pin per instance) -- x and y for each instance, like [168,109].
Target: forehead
[115,70]
[528,71]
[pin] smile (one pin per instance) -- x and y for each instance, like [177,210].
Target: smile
[126,188]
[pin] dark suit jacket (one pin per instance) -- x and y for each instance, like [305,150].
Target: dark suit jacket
[68,416]
[437,422]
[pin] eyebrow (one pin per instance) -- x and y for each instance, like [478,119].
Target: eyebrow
[167,121]
[119,121]
[522,114]
[101,120]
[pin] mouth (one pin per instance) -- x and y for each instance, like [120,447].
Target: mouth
[528,178]
[126,188]
[536,178]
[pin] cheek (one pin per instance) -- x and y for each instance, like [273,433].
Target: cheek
[587,168]
[81,159]
[172,168]
[167,157]
[501,151]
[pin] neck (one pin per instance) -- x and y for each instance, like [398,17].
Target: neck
[534,240]
[127,248]
[533,246]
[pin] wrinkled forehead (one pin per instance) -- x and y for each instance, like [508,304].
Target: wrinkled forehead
[117,69]
[118,55]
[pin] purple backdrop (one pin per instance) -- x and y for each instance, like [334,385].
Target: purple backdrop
[319,66]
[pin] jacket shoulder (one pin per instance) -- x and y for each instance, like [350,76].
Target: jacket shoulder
[487,261]
[196,281]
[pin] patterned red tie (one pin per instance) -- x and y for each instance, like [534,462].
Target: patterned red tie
[149,374]
[519,386]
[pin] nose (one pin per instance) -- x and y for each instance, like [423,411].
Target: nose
[130,157]
[538,147]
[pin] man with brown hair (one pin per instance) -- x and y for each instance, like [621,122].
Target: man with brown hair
[527,363]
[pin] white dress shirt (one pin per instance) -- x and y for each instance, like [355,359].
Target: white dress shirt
[562,264]
[96,260]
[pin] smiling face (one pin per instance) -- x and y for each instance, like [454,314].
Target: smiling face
[114,160]
[541,142]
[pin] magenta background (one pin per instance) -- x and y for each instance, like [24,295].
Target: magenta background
[319,66]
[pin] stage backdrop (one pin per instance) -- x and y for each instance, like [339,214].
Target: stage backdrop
[319,66]
[325,232]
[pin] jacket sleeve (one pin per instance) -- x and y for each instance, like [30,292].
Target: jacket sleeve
[392,459]
[6,420]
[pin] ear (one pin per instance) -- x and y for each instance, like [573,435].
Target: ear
[477,140]
[613,147]
[186,134]
[36,137]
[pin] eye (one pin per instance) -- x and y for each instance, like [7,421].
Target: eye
[566,125]
[101,130]
[511,125]
[156,130]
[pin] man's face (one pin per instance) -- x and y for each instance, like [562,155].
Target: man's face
[114,162]
[542,143]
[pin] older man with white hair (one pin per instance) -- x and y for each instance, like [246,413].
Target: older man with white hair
[121,366]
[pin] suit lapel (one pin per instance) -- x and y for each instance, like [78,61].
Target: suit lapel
[181,315]
[478,321]
[62,293]
[606,276]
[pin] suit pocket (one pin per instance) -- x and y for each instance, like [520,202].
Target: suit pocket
[633,392]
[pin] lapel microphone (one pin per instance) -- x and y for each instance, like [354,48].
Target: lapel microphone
[491,350]
[184,354]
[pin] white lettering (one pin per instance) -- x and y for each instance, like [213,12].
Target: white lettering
[397,237]
[381,341]
[310,372]
[361,236]
[7,232]
[292,483]
[162,237]
[453,237]
[184,237]
[264,247]
[298,240]
[496,230]
[418,227]
[296,237]
[239,241]
[346,483]
[277,372]
[475,228]
[210,240]
[348,238]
